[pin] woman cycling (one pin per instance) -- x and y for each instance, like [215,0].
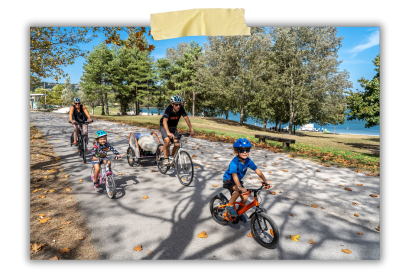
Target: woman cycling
[79,114]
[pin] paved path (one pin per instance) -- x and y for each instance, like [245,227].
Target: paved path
[167,223]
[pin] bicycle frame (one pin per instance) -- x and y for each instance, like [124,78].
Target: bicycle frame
[246,207]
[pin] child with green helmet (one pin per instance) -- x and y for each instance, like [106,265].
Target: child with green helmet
[99,155]
[234,175]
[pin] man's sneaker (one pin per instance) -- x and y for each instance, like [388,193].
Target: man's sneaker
[166,162]
[231,211]
[242,218]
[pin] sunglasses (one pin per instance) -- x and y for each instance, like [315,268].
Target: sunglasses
[244,151]
[177,104]
[77,103]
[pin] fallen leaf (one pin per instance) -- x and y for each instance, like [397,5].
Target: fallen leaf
[118,137]
[318,170]
[138,248]
[61,227]
[250,235]
[67,189]
[284,170]
[291,215]
[378,228]
[312,242]
[197,167]
[80,180]
[121,173]
[194,156]
[360,233]
[340,185]
[66,223]
[266,156]
[347,251]
[66,176]
[42,196]
[276,163]
[325,180]
[355,203]
[251,178]
[58,158]
[65,250]
[37,190]
[45,177]
[203,234]
[208,151]
[36,247]
[215,157]
[295,237]
[45,191]
[360,185]
[54,258]
[280,158]
[154,170]
[272,192]
[145,197]
[355,214]
[373,195]
[269,171]
[149,252]
[215,186]
[314,205]
[80,238]
[265,165]
[44,220]
[38,179]
[347,189]
[52,190]
[357,171]
[42,215]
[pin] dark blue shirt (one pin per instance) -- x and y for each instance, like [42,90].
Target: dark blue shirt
[239,168]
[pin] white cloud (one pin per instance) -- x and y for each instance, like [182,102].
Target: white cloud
[373,40]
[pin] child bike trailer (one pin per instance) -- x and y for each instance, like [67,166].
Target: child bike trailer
[142,147]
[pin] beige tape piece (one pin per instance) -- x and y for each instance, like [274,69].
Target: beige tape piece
[196,22]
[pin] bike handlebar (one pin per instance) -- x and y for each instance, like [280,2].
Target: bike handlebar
[80,123]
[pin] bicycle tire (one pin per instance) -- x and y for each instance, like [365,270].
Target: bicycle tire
[216,212]
[185,167]
[159,159]
[110,186]
[274,228]
[84,149]
[130,156]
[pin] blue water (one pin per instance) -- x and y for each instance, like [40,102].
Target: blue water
[349,127]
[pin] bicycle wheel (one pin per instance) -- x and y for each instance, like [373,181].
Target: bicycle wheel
[217,212]
[110,186]
[130,156]
[184,168]
[80,145]
[160,158]
[84,149]
[264,230]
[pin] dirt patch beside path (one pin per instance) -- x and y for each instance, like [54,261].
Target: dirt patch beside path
[52,198]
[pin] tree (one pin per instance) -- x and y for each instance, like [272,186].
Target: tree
[67,93]
[365,105]
[54,97]
[52,48]
[173,54]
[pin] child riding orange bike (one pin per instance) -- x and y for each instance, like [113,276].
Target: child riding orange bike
[234,175]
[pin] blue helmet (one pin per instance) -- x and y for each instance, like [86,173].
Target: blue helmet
[241,143]
[100,133]
[176,99]
[77,99]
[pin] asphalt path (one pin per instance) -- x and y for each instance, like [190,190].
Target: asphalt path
[168,222]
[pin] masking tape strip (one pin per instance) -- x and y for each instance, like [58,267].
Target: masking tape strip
[197,22]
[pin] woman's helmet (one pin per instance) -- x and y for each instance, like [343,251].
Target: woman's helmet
[100,133]
[77,99]
[176,99]
[241,143]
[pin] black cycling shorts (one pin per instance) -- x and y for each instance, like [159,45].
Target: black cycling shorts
[229,184]
[173,130]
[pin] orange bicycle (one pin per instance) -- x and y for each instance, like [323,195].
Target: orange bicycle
[263,227]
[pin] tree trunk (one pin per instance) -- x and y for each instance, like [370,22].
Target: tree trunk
[194,97]
[222,114]
[280,124]
[102,103]
[137,103]
[148,110]
[106,101]
[265,123]
[226,115]
[334,130]
[122,110]
[241,115]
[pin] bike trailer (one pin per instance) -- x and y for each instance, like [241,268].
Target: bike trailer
[138,151]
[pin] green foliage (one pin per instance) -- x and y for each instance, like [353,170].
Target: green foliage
[366,105]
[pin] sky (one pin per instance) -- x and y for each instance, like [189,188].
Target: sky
[360,45]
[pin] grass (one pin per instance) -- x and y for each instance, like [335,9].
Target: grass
[355,151]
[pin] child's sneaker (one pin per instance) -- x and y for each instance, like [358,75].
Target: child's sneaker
[96,184]
[109,172]
[231,211]
[242,218]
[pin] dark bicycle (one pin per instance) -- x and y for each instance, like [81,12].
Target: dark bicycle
[81,141]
